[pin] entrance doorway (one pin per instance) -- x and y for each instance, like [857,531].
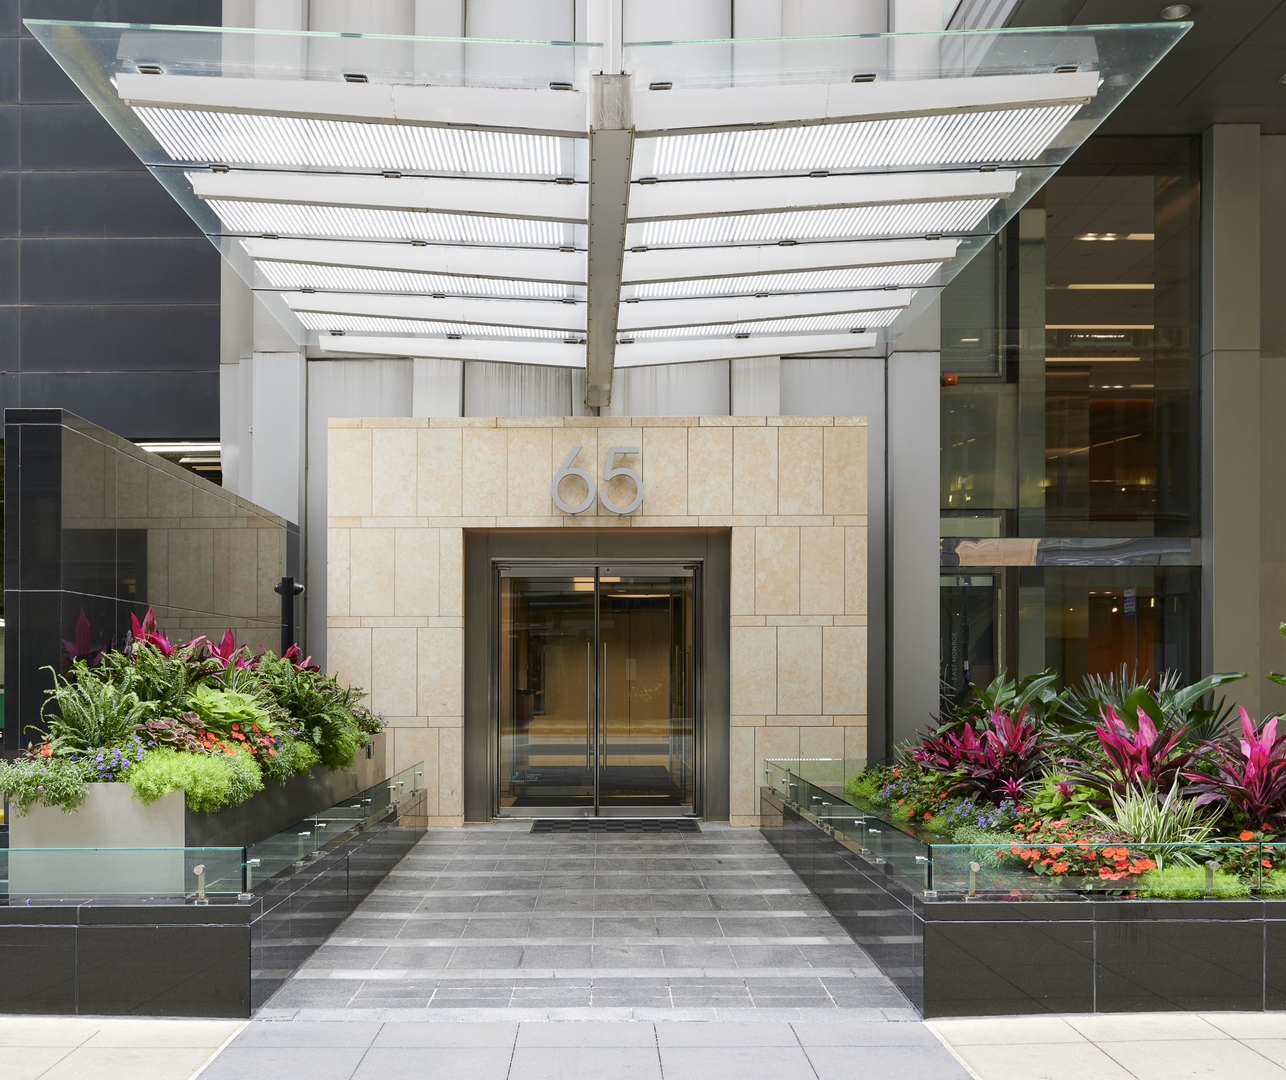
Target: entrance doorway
[597,689]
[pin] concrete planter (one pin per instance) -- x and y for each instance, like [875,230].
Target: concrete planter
[125,839]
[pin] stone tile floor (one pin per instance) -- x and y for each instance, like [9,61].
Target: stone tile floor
[688,926]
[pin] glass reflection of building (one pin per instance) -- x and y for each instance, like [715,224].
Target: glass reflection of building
[1069,484]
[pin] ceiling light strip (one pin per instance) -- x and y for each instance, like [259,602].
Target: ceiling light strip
[246,139]
[862,277]
[353,279]
[963,138]
[842,324]
[316,320]
[288,219]
[848,223]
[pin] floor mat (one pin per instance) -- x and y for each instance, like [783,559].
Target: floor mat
[615,825]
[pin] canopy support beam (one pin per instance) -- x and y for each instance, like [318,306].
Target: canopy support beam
[611,157]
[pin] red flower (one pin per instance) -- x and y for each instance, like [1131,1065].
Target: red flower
[1059,867]
[235,727]
[927,816]
[1246,835]
[45,751]
[1266,862]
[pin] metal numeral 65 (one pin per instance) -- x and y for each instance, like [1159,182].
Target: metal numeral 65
[609,471]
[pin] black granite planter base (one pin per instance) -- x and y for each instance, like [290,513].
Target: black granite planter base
[113,957]
[1081,955]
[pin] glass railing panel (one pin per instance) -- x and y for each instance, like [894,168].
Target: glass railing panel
[140,872]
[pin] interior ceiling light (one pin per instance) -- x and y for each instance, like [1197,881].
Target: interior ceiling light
[471,180]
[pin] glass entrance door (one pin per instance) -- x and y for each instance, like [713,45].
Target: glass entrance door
[596,689]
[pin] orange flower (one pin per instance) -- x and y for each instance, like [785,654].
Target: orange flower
[45,751]
[1247,835]
[1015,850]
[1059,867]
[1266,862]
[1055,849]
[927,816]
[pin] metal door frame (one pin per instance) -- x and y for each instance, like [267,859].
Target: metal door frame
[522,567]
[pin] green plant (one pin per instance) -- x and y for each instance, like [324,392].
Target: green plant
[1187,883]
[1174,820]
[91,713]
[48,781]
[209,781]
[1059,796]
[225,711]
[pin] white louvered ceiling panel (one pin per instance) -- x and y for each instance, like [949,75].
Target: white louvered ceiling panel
[297,275]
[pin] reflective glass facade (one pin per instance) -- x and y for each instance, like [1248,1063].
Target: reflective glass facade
[1069,482]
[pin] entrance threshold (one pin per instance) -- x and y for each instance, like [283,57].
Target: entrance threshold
[616,825]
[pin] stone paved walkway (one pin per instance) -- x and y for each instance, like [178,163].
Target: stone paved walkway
[678,926]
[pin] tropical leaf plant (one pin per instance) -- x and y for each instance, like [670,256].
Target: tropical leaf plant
[1002,761]
[1246,777]
[1141,758]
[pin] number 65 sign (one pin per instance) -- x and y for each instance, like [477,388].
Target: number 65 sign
[609,472]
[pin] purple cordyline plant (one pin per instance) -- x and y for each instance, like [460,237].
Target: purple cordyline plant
[1145,759]
[1249,777]
[997,763]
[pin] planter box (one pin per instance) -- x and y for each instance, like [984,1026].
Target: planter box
[113,822]
[952,957]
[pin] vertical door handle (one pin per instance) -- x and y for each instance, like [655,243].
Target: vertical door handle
[589,702]
[602,728]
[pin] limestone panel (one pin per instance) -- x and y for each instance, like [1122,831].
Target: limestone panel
[393,675]
[665,471]
[743,572]
[620,490]
[416,573]
[450,571]
[753,664]
[393,463]
[774,744]
[821,742]
[337,572]
[413,746]
[710,471]
[855,571]
[854,737]
[844,465]
[439,476]
[776,571]
[451,773]
[821,571]
[527,470]
[483,466]
[742,773]
[243,583]
[348,472]
[348,655]
[844,670]
[799,669]
[441,671]
[754,470]
[799,470]
[371,582]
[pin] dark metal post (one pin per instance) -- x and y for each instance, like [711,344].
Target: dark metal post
[287,589]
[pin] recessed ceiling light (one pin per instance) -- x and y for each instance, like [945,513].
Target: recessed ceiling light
[1282,79]
[1176,11]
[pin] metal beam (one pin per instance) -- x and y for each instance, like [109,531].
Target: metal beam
[538,200]
[533,314]
[693,350]
[677,199]
[526,264]
[681,111]
[678,264]
[655,314]
[546,353]
[544,112]
[611,154]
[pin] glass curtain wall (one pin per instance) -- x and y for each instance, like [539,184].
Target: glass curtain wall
[1070,448]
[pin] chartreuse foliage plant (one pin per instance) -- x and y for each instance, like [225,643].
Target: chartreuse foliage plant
[214,721]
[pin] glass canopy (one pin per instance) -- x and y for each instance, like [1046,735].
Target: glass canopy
[503,200]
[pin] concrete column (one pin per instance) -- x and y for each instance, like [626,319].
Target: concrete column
[277,423]
[437,388]
[1272,406]
[914,464]
[755,386]
[1230,406]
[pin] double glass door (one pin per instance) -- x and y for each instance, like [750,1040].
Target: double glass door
[596,690]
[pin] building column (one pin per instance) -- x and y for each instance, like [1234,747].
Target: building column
[1272,405]
[1230,408]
